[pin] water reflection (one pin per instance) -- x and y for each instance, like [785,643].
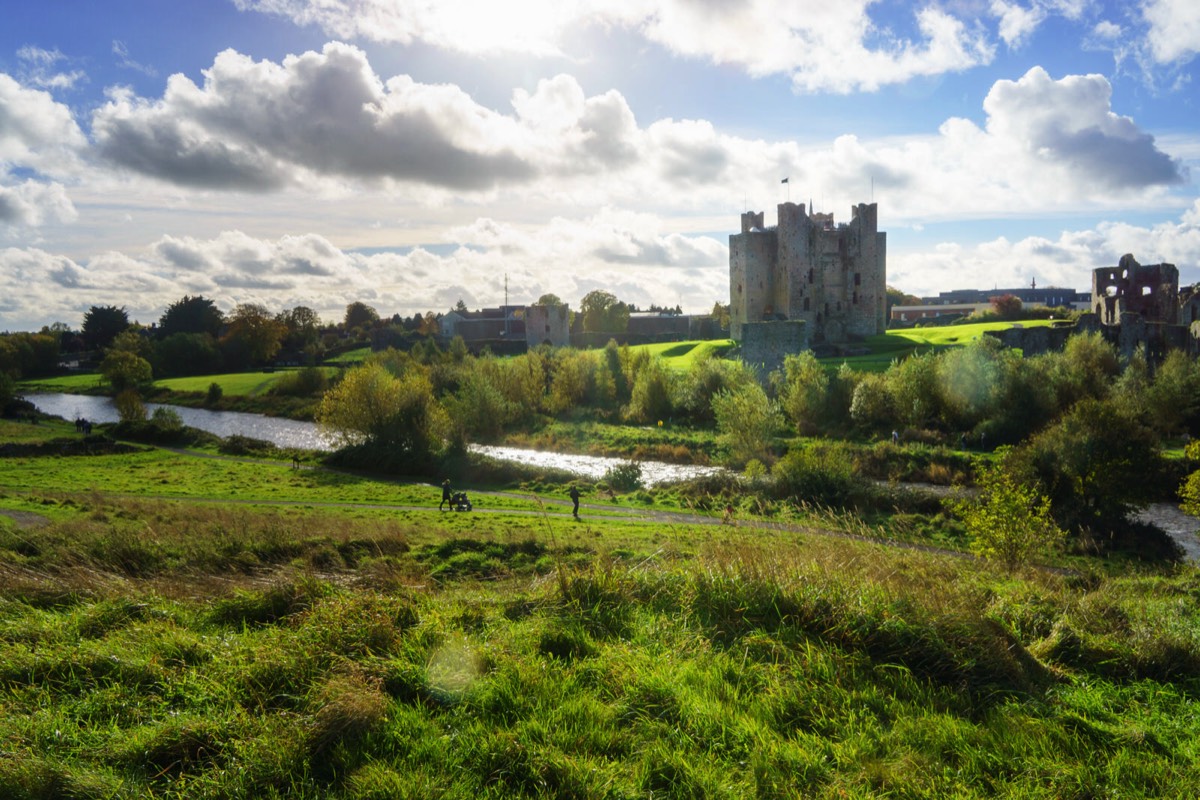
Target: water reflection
[283,432]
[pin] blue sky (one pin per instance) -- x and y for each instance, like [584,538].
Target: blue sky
[411,154]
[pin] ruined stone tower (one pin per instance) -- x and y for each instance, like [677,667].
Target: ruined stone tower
[831,277]
[1151,290]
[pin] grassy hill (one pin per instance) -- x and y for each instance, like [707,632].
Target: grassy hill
[174,625]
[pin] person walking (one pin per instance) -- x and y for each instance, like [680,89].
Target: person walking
[446,495]
[574,493]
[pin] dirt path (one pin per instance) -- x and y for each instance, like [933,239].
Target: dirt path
[25,519]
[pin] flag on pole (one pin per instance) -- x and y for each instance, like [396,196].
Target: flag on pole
[785,180]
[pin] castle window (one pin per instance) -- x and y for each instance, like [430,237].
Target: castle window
[1145,291]
[806,304]
[810,275]
[858,279]
[855,298]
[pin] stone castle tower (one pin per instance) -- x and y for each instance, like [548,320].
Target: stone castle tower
[833,277]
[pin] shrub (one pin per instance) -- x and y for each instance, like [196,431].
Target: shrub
[130,407]
[1010,521]
[166,420]
[747,423]
[1097,464]
[624,477]
[821,473]
[214,395]
[307,382]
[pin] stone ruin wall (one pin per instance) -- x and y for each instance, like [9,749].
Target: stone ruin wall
[1151,290]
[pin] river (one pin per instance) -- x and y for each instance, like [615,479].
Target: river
[308,436]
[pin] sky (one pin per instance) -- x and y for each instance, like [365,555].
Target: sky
[409,154]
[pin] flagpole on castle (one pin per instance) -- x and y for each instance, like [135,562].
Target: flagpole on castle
[789,189]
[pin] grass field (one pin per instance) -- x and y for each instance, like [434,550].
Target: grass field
[681,356]
[181,626]
[899,344]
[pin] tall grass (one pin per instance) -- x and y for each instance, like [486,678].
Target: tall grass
[239,653]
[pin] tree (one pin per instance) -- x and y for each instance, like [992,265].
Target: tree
[1010,520]
[458,350]
[101,324]
[720,313]
[188,354]
[460,306]
[303,327]
[253,335]
[372,406]
[191,315]
[1085,368]
[1097,465]
[747,422]
[359,315]
[132,340]
[803,389]
[125,370]
[1173,398]
[1189,492]
[1006,306]
[603,312]
[653,389]
[896,297]
[550,300]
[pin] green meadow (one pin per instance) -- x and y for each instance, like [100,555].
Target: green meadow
[179,625]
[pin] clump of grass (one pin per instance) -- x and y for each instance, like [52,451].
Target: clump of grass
[280,600]
[345,708]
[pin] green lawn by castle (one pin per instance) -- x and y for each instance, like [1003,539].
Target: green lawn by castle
[899,344]
[682,355]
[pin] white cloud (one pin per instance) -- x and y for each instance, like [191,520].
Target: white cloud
[1017,22]
[1067,261]
[38,136]
[32,203]
[36,132]
[262,125]
[121,51]
[1047,145]
[627,253]
[1174,29]
[823,46]
[38,69]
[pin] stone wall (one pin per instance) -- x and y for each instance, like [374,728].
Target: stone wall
[766,344]
[548,325]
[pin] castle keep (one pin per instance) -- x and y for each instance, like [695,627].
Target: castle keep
[806,268]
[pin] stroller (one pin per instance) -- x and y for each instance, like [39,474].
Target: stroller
[460,502]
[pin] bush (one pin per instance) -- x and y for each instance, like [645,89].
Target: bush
[747,423]
[307,382]
[1097,464]
[625,477]
[821,473]
[215,393]
[1010,521]
[130,407]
